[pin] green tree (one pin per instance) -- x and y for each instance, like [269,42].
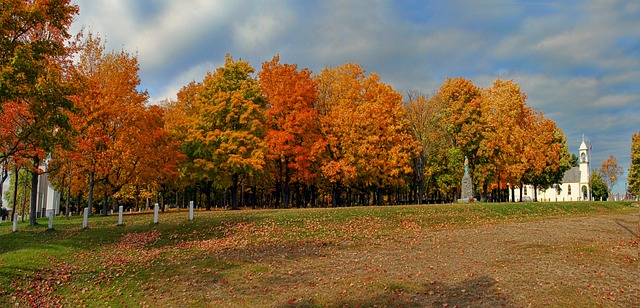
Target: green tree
[634,169]
[599,190]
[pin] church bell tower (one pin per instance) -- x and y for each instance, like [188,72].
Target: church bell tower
[585,187]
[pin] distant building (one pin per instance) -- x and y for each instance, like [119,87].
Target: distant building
[575,184]
[47,198]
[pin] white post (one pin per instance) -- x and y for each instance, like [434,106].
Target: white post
[15,222]
[155,214]
[50,215]
[85,220]
[191,210]
[120,209]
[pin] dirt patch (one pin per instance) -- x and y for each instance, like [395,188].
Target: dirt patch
[591,261]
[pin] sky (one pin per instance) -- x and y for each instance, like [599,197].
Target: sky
[577,61]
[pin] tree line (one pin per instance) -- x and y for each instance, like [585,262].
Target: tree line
[279,137]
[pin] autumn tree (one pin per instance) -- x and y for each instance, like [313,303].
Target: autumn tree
[226,139]
[610,172]
[505,141]
[545,157]
[157,155]
[33,64]
[459,125]
[418,116]
[293,137]
[115,130]
[438,166]
[368,140]
[634,169]
[499,157]
[179,115]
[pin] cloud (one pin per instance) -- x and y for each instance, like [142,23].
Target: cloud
[578,62]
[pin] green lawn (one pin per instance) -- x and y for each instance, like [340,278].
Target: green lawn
[295,257]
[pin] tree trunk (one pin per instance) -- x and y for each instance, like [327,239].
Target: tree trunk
[4,176]
[104,206]
[521,190]
[162,197]
[207,194]
[15,192]
[513,194]
[335,200]
[34,192]
[68,199]
[379,196]
[234,192]
[91,184]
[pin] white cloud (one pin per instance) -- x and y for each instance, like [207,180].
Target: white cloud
[261,26]
[616,100]
[577,62]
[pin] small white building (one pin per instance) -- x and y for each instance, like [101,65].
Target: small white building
[575,184]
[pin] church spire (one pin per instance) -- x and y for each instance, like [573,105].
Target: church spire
[584,171]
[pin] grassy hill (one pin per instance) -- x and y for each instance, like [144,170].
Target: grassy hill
[299,257]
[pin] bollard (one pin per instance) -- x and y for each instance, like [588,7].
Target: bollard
[15,223]
[50,215]
[191,210]
[85,220]
[120,209]
[155,214]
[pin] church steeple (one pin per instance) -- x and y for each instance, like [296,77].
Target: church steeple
[585,187]
[584,152]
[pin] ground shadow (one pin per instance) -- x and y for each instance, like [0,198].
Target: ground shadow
[480,291]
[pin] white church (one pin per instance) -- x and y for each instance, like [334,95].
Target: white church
[575,184]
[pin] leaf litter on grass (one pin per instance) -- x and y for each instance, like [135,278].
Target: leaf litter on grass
[319,261]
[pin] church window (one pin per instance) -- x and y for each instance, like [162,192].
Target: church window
[569,191]
[583,157]
[525,191]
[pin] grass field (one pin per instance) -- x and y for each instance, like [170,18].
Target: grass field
[574,253]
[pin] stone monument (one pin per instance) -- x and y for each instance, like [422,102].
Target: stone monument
[466,195]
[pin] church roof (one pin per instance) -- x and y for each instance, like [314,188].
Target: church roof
[572,175]
[583,146]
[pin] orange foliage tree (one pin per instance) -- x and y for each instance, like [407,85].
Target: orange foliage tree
[369,144]
[116,134]
[610,172]
[498,160]
[293,137]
